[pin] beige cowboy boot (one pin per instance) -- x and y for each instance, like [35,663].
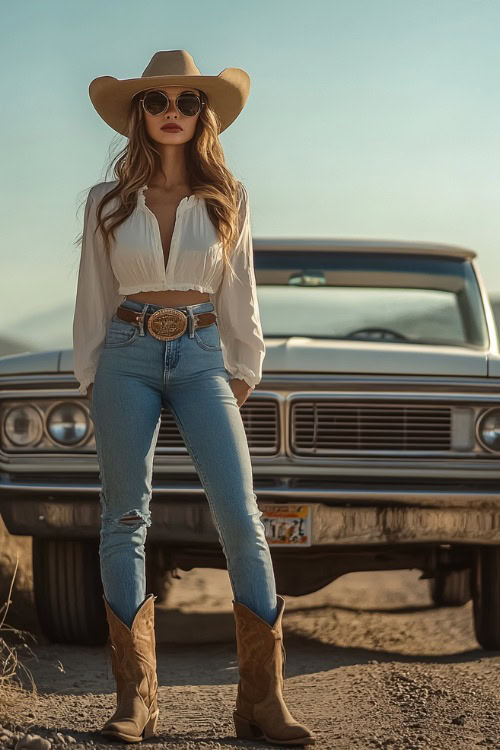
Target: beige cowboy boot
[261,713]
[134,667]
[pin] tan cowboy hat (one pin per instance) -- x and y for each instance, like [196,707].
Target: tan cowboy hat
[227,92]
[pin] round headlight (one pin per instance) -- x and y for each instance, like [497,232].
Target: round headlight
[23,426]
[488,430]
[67,424]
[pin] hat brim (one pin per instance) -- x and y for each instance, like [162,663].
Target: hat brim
[227,94]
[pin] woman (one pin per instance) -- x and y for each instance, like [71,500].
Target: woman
[167,315]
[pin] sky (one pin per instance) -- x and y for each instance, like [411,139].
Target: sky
[366,119]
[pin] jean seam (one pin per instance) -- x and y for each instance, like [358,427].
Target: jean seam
[208,348]
[202,344]
[101,469]
[210,500]
[122,343]
[107,523]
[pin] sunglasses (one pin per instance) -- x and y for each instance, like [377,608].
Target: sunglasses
[156,102]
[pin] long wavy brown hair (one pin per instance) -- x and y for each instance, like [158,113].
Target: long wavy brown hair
[208,176]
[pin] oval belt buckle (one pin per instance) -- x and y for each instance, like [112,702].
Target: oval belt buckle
[167,324]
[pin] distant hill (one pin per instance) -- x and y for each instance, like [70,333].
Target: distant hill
[13,346]
[40,331]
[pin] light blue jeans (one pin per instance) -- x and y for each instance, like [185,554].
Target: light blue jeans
[136,375]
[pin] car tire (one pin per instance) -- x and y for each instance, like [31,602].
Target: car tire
[451,589]
[486,596]
[159,581]
[68,591]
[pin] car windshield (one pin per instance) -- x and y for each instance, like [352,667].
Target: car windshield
[418,299]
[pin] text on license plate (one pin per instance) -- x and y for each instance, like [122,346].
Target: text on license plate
[288,524]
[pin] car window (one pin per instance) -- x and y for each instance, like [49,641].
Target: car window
[370,296]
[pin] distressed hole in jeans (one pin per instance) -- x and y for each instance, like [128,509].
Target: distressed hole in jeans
[132,518]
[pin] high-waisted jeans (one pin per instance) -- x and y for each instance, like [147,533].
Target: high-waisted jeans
[137,375]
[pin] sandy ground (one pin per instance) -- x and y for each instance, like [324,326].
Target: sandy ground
[370,664]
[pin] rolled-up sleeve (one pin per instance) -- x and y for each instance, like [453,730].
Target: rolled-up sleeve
[96,299]
[237,307]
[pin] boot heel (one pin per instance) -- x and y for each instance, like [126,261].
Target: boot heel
[150,728]
[245,729]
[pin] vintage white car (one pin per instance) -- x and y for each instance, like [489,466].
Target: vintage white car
[374,436]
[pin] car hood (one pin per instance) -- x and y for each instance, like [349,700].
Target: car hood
[25,363]
[304,354]
[309,355]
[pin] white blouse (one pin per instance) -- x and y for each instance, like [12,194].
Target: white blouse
[136,264]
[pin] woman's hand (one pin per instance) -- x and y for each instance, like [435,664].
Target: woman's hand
[241,390]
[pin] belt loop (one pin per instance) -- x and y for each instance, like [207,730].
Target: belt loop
[141,319]
[191,321]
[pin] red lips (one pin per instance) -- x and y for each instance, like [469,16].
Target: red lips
[173,128]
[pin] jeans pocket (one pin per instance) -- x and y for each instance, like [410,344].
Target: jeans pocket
[208,337]
[120,333]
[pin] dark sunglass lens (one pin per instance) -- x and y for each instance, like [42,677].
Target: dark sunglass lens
[155,102]
[189,104]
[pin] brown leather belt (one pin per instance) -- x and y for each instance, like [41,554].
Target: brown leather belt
[167,323]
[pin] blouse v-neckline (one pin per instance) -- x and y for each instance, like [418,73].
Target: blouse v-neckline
[183,204]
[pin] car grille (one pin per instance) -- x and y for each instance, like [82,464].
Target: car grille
[325,427]
[260,420]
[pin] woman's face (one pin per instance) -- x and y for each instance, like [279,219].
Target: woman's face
[171,116]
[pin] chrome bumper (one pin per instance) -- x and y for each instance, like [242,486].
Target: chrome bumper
[189,521]
[397,525]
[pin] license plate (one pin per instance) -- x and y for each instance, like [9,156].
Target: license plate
[288,525]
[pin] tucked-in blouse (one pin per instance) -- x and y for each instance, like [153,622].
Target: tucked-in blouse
[136,264]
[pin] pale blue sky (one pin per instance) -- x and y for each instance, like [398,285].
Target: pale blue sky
[366,118]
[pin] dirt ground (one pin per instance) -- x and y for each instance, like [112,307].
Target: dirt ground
[370,664]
